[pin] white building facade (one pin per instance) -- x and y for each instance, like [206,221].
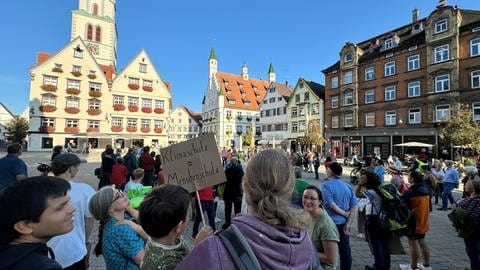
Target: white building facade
[184,124]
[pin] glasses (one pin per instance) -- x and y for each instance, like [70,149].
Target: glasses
[310,198]
[118,194]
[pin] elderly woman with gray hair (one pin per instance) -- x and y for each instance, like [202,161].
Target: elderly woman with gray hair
[120,239]
[471,173]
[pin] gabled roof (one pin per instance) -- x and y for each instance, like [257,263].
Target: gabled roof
[318,89]
[6,109]
[196,116]
[283,89]
[254,91]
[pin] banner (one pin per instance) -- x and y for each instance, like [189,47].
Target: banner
[193,164]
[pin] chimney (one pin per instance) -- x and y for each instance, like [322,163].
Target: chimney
[415,15]
[442,3]
[286,83]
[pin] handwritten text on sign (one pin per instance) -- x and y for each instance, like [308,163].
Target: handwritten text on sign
[193,164]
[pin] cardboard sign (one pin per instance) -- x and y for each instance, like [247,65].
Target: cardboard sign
[193,164]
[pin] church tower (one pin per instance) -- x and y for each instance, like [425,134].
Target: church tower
[94,22]
[271,73]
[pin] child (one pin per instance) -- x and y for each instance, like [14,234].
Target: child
[163,216]
[136,181]
[119,174]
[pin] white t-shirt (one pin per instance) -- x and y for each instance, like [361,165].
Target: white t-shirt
[71,248]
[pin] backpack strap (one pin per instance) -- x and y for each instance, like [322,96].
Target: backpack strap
[238,248]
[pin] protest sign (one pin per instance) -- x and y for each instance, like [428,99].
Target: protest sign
[193,164]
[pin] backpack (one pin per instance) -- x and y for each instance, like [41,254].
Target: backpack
[394,215]
[242,254]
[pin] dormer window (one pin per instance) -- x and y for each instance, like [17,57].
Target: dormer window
[389,43]
[441,26]
[348,57]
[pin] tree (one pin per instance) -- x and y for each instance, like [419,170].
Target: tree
[461,129]
[313,134]
[248,138]
[17,130]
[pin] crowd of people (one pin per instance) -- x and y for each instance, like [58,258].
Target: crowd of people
[51,218]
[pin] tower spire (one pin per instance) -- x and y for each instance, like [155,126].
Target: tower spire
[271,73]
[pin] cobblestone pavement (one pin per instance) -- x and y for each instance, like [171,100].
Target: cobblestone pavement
[446,249]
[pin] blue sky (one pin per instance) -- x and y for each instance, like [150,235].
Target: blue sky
[301,38]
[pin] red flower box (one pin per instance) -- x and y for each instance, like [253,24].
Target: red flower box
[117,128]
[72,110]
[145,129]
[158,130]
[49,87]
[73,130]
[118,107]
[46,129]
[93,130]
[159,110]
[133,108]
[95,93]
[131,129]
[92,111]
[47,108]
[76,73]
[73,91]
[148,88]
[146,109]
[133,86]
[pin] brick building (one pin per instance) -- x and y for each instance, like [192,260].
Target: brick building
[398,86]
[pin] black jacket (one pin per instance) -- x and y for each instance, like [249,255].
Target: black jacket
[233,186]
[27,256]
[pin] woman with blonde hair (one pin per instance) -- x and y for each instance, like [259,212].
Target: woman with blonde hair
[120,239]
[271,228]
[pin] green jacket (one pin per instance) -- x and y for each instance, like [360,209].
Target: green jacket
[462,222]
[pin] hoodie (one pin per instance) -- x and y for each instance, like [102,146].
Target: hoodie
[27,256]
[275,248]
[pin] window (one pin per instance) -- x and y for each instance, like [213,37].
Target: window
[301,111]
[147,83]
[271,100]
[413,62]
[475,77]
[335,121]
[77,52]
[294,127]
[131,122]
[117,121]
[98,34]
[133,101]
[348,120]
[476,111]
[315,108]
[348,98]
[76,68]
[229,113]
[49,100]
[390,92]
[370,119]
[369,96]
[95,86]
[48,122]
[146,102]
[93,124]
[414,116]
[334,82]
[301,126]
[94,104]
[231,101]
[390,69]
[347,77]
[306,97]
[475,47]
[369,74]
[335,102]
[133,81]
[348,57]
[73,84]
[389,43]
[442,83]
[89,32]
[117,100]
[441,53]
[50,80]
[95,9]
[159,104]
[297,98]
[157,123]
[442,112]
[390,118]
[441,26]
[73,102]
[142,68]
[414,89]
[145,123]
[72,123]
[294,112]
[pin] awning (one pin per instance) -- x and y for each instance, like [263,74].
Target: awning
[414,144]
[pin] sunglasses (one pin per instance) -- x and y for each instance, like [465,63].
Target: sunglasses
[118,194]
